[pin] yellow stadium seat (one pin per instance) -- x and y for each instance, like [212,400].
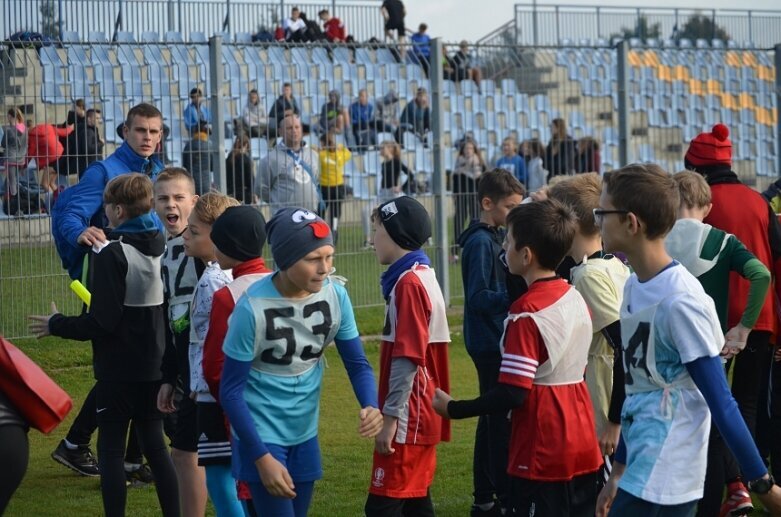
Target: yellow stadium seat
[634,58]
[732,59]
[695,87]
[650,58]
[746,101]
[749,59]
[765,73]
[728,101]
[713,87]
[763,116]
[664,73]
[681,73]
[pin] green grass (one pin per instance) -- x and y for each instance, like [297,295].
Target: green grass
[32,276]
[51,490]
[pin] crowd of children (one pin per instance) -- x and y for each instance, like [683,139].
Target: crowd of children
[601,390]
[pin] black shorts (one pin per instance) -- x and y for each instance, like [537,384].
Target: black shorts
[184,435]
[214,446]
[125,401]
[397,25]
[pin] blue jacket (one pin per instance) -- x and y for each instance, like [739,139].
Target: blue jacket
[81,205]
[486,301]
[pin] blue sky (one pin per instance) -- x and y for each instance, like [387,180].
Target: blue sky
[454,20]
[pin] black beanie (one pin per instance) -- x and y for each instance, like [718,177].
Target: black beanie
[240,232]
[406,221]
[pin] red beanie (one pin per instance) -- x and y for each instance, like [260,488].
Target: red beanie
[712,148]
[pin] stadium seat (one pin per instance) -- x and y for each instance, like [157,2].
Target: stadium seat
[97,37]
[124,37]
[173,37]
[150,37]
[197,37]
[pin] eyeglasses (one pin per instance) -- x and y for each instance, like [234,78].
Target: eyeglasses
[599,213]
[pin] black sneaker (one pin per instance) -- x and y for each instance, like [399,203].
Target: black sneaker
[79,460]
[139,477]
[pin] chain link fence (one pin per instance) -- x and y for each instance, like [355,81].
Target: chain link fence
[430,110]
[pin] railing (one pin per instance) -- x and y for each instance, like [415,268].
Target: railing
[55,17]
[670,95]
[553,24]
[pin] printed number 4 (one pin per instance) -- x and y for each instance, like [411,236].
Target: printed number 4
[288,334]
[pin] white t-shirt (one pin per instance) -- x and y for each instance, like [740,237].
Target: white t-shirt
[666,430]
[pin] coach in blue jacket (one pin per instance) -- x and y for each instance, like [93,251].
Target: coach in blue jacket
[77,216]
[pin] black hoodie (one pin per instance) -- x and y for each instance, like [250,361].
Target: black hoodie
[125,319]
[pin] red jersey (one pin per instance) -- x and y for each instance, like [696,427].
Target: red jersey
[546,342]
[416,329]
[739,210]
[334,30]
[223,303]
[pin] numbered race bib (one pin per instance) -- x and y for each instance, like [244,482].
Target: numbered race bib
[291,335]
[179,281]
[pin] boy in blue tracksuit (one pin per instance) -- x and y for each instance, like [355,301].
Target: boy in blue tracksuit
[77,216]
[485,308]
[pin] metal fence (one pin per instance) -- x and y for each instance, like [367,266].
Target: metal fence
[192,19]
[619,105]
[597,25]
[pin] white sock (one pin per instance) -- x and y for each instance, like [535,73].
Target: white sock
[485,506]
[132,467]
[70,446]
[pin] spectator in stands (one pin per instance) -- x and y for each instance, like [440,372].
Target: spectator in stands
[196,112]
[588,159]
[239,170]
[294,27]
[289,174]
[84,145]
[77,216]
[197,158]
[394,12]
[44,146]
[254,120]
[467,170]
[313,32]
[333,116]
[416,117]
[386,119]
[37,191]
[363,121]
[284,106]
[15,144]
[333,158]
[560,153]
[333,27]
[421,47]
[536,175]
[511,161]
[460,66]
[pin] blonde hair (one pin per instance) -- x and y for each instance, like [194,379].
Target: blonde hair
[581,193]
[16,113]
[694,190]
[211,205]
[176,173]
[395,148]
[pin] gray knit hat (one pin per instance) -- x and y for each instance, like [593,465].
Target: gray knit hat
[295,232]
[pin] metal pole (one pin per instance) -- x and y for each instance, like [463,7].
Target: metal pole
[777,52]
[59,18]
[623,102]
[218,116]
[534,23]
[599,23]
[171,15]
[440,180]
[751,30]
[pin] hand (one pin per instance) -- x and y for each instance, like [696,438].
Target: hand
[165,399]
[609,439]
[39,325]
[440,401]
[777,354]
[736,337]
[606,497]
[772,500]
[371,422]
[383,441]
[91,236]
[275,477]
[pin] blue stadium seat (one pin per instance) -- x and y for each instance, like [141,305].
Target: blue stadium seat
[125,37]
[371,162]
[197,37]
[645,153]
[242,37]
[509,87]
[150,37]
[173,37]
[97,37]
[54,76]
[70,37]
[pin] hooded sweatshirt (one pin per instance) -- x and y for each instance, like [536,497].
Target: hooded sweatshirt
[485,291]
[125,320]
